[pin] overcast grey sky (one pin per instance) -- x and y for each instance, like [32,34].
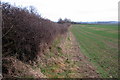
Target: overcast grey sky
[76,10]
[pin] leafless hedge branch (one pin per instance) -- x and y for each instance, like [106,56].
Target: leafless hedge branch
[26,33]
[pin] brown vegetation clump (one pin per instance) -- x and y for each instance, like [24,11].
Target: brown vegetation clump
[13,67]
[25,33]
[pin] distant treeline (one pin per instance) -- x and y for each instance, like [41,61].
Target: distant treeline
[26,34]
[98,22]
[62,21]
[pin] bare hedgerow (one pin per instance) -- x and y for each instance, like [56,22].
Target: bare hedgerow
[26,33]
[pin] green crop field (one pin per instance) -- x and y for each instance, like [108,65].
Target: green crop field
[100,44]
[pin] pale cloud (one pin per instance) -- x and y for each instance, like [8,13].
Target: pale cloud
[76,10]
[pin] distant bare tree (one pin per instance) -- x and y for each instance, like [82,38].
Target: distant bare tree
[60,20]
[67,20]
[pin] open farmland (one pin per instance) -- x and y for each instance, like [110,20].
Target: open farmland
[100,44]
[38,46]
